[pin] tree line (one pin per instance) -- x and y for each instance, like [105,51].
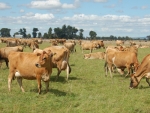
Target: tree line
[66,32]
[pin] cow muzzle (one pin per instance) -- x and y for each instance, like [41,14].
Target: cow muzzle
[38,65]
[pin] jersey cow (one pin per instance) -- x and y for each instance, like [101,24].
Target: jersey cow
[121,60]
[61,59]
[96,55]
[70,46]
[143,71]
[88,46]
[30,66]
[4,52]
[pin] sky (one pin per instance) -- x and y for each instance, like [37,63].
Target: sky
[105,17]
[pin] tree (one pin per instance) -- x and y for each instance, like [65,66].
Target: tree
[16,33]
[45,35]
[23,32]
[148,37]
[34,33]
[5,32]
[81,33]
[92,34]
[50,32]
[29,35]
[39,35]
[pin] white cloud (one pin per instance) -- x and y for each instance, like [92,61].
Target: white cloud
[100,0]
[21,11]
[104,25]
[52,4]
[144,7]
[4,6]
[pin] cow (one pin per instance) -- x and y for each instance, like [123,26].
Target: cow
[88,46]
[121,60]
[61,59]
[96,55]
[12,42]
[30,66]
[4,52]
[70,46]
[142,71]
[119,42]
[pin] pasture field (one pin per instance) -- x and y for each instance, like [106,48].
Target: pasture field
[87,91]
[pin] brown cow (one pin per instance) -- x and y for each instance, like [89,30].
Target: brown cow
[121,60]
[96,55]
[70,46]
[4,52]
[119,42]
[61,59]
[143,71]
[88,46]
[30,66]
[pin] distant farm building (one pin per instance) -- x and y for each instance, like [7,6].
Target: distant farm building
[18,36]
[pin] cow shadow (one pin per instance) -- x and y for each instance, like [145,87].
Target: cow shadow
[62,79]
[72,64]
[53,91]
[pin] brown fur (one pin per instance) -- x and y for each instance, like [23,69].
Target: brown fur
[143,71]
[30,66]
[121,60]
[4,52]
[60,59]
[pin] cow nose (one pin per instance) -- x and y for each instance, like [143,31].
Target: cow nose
[36,64]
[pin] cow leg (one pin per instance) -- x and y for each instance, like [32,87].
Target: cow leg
[68,69]
[106,69]
[128,69]
[58,73]
[10,77]
[19,80]
[39,85]
[47,85]
[147,80]
[110,69]
[6,61]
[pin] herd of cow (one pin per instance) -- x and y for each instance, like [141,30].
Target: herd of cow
[39,63]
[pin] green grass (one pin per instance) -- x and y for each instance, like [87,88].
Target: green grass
[87,91]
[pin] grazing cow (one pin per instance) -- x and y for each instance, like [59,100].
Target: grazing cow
[88,46]
[31,66]
[96,55]
[70,46]
[61,59]
[33,45]
[143,71]
[119,42]
[121,60]
[12,42]
[4,52]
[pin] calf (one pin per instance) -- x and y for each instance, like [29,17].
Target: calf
[143,71]
[30,66]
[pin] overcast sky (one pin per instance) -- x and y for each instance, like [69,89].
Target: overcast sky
[105,17]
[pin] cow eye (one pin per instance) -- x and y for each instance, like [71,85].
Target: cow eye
[44,58]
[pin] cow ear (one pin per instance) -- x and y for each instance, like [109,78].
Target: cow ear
[52,54]
[38,54]
[44,52]
[48,52]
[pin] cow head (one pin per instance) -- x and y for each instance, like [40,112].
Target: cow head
[134,82]
[44,59]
